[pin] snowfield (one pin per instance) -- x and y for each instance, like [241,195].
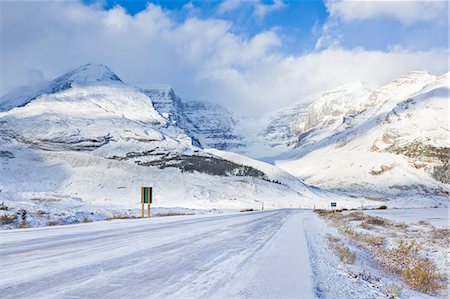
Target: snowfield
[438,217]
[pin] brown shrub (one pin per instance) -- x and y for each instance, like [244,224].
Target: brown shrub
[355,216]
[422,276]
[52,222]
[424,222]
[7,219]
[383,168]
[365,225]
[441,233]
[419,165]
[41,213]
[322,212]
[373,240]
[418,272]
[173,214]
[401,225]
[340,249]
[378,221]
[366,239]
[22,224]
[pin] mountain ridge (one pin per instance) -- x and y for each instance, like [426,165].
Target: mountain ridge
[93,119]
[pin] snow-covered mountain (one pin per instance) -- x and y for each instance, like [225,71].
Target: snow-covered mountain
[391,142]
[88,142]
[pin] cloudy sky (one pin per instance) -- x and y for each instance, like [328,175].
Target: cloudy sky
[251,56]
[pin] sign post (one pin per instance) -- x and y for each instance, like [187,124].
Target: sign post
[142,201]
[146,198]
[149,201]
[333,205]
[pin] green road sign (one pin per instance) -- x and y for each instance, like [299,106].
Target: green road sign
[146,194]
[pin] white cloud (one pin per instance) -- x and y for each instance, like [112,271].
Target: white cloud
[407,12]
[201,58]
[260,10]
[229,5]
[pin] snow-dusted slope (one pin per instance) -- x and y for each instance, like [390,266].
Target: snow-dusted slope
[392,142]
[84,74]
[281,131]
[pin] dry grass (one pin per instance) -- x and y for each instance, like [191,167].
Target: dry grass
[401,225]
[22,224]
[7,219]
[41,213]
[373,240]
[423,276]
[419,273]
[383,168]
[53,222]
[355,216]
[340,249]
[322,212]
[406,260]
[362,238]
[365,225]
[378,221]
[173,214]
[393,291]
[424,222]
[114,217]
[441,234]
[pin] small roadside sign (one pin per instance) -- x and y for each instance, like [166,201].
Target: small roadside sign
[333,204]
[146,198]
[146,194]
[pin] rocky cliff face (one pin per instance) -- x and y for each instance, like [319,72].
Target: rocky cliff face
[286,125]
[209,125]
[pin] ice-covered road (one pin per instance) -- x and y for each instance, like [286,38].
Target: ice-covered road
[246,255]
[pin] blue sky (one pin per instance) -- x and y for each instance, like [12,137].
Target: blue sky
[299,23]
[245,54]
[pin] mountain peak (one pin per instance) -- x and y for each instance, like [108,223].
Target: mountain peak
[87,73]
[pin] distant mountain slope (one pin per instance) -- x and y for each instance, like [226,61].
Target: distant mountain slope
[392,142]
[209,125]
[281,131]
